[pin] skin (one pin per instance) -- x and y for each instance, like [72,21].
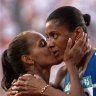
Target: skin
[35,62]
[61,31]
[38,54]
[58,35]
[33,86]
[59,77]
[39,51]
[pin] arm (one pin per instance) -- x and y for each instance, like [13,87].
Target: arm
[32,86]
[75,84]
[59,77]
[76,89]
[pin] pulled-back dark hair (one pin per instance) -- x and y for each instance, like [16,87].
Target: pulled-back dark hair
[71,17]
[11,61]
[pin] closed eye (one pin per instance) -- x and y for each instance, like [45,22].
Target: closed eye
[42,43]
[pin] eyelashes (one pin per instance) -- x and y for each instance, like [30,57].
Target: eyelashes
[43,43]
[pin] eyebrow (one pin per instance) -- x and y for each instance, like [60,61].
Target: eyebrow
[55,32]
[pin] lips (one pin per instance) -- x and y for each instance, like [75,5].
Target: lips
[56,53]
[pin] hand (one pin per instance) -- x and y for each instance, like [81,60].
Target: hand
[28,85]
[73,55]
[10,92]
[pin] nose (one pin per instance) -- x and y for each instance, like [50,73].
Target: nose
[50,43]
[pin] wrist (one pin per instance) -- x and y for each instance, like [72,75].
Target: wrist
[44,89]
[71,63]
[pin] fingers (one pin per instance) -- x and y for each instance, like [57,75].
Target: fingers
[36,76]
[25,77]
[16,93]
[69,44]
[87,47]
[81,43]
[18,88]
[68,47]
[22,93]
[13,81]
[84,41]
[19,83]
[11,93]
[23,80]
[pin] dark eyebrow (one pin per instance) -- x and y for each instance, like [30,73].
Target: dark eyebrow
[53,32]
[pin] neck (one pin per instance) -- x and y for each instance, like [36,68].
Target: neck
[86,58]
[44,73]
[84,62]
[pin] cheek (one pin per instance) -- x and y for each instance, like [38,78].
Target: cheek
[42,55]
[63,43]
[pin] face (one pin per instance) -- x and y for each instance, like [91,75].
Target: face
[57,38]
[39,51]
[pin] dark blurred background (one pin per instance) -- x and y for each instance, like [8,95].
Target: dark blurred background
[20,15]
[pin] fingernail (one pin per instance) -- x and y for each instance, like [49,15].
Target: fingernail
[15,83]
[14,87]
[36,76]
[84,33]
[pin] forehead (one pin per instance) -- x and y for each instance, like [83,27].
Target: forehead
[53,26]
[35,36]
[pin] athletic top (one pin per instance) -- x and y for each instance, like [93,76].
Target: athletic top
[88,80]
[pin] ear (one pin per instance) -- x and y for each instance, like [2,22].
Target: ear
[78,31]
[27,59]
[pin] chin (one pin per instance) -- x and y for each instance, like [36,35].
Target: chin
[59,61]
[60,58]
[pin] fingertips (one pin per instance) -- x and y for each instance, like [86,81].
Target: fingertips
[12,93]
[13,81]
[69,44]
[14,88]
[22,93]
[19,88]
[36,76]
[25,77]
[19,83]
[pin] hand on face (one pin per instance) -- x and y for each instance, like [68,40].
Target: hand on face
[74,54]
[28,85]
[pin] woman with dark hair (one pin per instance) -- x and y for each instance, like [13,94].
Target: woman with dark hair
[64,23]
[28,53]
